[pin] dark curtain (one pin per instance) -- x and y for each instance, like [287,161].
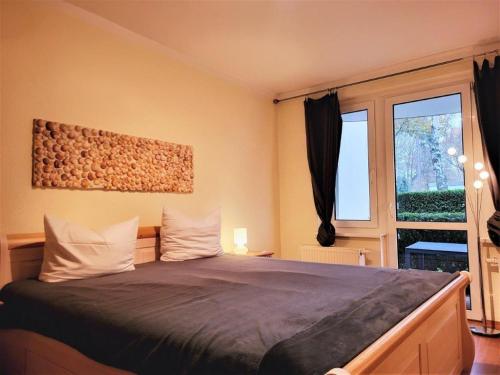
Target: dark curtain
[323,132]
[487,92]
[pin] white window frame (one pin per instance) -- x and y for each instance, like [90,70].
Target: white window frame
[393,224]
[372,168]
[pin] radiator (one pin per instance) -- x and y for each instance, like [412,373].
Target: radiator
[333,254]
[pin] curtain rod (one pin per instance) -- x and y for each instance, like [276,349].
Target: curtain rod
[276,101]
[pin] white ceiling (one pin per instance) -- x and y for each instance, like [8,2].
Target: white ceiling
[281,46]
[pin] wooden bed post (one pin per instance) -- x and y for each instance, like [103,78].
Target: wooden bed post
[468,346]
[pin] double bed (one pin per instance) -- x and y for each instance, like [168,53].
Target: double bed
[229,315]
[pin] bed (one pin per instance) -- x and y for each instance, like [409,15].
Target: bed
[229,314]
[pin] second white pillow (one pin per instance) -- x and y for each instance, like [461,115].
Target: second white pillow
[184,238]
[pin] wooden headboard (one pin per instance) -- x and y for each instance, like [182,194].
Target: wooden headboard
[21,254]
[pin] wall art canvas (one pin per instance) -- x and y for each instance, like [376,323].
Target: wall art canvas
[76,157]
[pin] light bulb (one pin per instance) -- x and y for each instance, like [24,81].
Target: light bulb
[452,151]
[483,175]
[478,184]
[462,159]
[478,166]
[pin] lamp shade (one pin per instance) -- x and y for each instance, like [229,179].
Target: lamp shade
[240,236]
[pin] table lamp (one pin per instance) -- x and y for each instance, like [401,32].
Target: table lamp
[240,240]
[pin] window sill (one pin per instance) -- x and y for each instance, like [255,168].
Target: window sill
[377,236]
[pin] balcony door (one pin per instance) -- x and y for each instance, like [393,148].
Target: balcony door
[430,222]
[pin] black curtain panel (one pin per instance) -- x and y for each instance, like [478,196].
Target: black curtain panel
[323,132]
[487,92]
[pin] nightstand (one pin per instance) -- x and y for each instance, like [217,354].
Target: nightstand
[264,254]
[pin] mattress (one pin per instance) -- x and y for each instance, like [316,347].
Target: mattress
[222,315]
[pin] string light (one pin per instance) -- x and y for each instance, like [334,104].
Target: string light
[478,184]
[478,166]
[483,175]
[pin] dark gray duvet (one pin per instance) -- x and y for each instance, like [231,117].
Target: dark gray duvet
[223,315]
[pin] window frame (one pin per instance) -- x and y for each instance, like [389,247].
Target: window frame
[368,106]
[471,147]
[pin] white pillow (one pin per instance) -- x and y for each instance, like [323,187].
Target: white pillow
[184,238]
[74,252]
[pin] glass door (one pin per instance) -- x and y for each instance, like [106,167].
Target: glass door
[429,221]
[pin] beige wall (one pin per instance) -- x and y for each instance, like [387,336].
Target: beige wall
[61,65]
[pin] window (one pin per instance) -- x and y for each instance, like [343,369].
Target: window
[428,212]
[427,143]
[354,186]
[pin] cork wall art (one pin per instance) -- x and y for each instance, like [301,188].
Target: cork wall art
[75,157]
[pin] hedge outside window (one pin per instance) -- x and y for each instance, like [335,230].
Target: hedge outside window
[438,206]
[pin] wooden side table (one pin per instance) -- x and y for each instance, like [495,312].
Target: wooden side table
[264,254]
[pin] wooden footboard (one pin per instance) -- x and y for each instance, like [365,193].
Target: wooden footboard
[434,339]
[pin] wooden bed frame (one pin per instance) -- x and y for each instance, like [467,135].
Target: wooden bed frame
[434,339]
